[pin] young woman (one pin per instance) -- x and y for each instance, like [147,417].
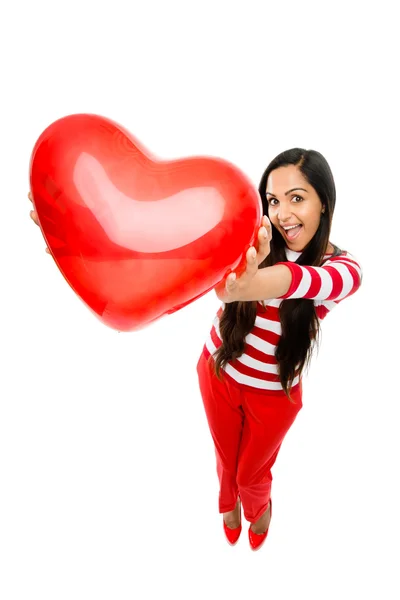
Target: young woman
[250,370]
[263,335]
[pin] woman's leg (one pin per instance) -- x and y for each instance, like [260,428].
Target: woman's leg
[225,419]
[267,420]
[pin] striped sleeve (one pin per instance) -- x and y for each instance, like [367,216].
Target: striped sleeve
[339,278]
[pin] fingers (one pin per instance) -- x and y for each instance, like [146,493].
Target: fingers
[33,213]
[251,268]
[263,236]
[34,217]
[264,239]
[230,282]
[251,264]
[267,224]
[226,289]
[235,286]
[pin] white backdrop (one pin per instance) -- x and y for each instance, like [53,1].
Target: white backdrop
[107,469]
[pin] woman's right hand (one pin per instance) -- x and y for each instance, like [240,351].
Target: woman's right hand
[34,217]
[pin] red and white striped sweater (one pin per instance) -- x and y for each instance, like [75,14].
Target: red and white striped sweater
[257,368]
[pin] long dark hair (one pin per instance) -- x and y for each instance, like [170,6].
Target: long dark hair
[300,324]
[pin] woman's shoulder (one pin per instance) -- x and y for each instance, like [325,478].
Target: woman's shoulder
[342,256]
[336,252]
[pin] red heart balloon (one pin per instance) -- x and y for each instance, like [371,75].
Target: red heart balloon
[134,236]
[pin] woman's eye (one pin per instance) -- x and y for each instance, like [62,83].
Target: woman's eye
[273,200]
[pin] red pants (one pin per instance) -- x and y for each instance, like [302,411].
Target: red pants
[248,429]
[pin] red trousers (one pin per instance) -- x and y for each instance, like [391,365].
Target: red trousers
[248,429]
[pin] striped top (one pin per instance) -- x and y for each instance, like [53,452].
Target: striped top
[257,368]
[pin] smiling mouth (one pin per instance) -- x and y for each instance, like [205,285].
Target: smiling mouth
[292,234]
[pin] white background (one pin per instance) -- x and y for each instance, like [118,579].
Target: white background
[107,468]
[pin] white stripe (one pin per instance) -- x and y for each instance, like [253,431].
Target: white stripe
[253,382]
[348,282]
[273,302]
[348,255]
[303,286]
[327,284]
[216,325]
[252,339]
[245,359]
[260,344]
[344,261]
[329,304]
[268,325]
[257,364]
[210,345]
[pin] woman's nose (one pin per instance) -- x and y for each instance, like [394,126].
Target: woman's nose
[284,212]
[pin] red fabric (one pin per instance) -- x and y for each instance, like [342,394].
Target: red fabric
[250,388]
[248,429]
[337,278]
[297,276]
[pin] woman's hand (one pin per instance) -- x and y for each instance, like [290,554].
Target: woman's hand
[34,217]
[231,288]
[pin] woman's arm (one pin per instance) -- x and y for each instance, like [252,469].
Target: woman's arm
[339,278]
[266,283]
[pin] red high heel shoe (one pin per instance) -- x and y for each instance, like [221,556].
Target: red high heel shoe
[232,535]
[257,539]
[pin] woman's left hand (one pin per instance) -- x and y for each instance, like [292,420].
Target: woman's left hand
[231,288]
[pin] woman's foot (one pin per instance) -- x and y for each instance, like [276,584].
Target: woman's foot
[232,524]
[232,518]
[262,524]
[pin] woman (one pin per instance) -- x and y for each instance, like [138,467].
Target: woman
[263,335]
[262,338]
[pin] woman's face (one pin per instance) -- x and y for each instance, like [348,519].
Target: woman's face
[292,201]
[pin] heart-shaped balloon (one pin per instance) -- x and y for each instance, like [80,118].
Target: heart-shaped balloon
[134,236]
